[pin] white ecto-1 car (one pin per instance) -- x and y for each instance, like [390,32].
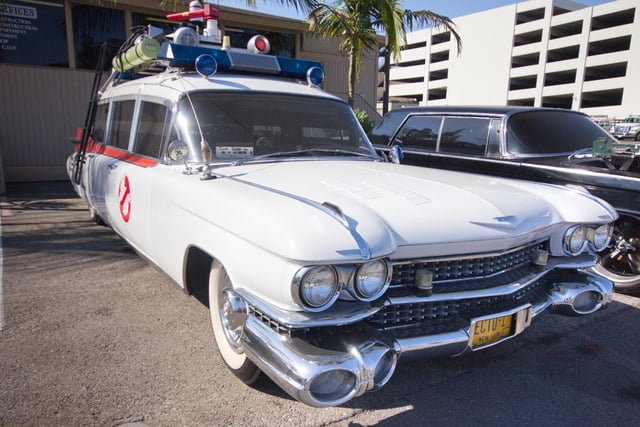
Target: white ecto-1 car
[322,263]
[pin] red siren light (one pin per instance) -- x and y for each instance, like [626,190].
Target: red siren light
[258,44]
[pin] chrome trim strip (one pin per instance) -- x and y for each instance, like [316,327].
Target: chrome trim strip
[341,313]
[621,181]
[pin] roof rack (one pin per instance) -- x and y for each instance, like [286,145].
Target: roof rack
[153,52]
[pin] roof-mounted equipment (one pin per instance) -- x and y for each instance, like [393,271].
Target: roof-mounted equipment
[185,49]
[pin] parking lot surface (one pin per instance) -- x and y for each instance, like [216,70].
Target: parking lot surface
[93,335]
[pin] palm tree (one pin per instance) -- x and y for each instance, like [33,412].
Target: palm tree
[356,22]
[303,5]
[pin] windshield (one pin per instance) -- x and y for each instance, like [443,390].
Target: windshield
[551,132]
[240,126]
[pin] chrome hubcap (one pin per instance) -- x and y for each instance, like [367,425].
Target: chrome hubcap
[233,313]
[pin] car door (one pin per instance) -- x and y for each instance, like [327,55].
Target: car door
[465,142]
[95,157]
[125,176]
[108,157]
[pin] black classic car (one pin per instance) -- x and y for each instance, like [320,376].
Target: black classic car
[543,144]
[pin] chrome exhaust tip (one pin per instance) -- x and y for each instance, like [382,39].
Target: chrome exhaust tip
[576,299]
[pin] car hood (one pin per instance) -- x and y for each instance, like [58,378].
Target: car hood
[354,210]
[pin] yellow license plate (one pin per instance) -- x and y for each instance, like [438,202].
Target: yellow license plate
[489,331]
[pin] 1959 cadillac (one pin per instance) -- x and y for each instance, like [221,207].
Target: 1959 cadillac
[321,262]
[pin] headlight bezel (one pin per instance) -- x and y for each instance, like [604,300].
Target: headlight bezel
[358,291]
[569,247]
[592,234]
[346,287]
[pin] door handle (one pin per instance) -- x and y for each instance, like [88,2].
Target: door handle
[112,166]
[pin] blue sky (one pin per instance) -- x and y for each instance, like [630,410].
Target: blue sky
[450,8]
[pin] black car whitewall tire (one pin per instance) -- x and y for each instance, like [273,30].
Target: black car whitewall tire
[225,334]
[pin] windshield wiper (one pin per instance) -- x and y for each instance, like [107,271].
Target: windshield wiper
[307,151]
[581,153]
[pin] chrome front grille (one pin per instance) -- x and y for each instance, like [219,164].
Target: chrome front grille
[463,274]
[458,275]
[449,315]
[272,324]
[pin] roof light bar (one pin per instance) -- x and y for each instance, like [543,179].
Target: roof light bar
[240,60]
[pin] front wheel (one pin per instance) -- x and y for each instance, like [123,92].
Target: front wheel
[621,262]
[227,324]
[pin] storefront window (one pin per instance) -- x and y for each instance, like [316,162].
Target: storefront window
[25,25]
[93,26]
[157,21]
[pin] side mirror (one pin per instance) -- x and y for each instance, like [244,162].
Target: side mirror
[178,151]
[395,154]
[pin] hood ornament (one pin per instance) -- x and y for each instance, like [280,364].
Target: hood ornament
[510,222]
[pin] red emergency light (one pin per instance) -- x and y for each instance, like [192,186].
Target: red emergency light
[207,12]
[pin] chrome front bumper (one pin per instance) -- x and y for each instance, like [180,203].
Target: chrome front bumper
[364,360]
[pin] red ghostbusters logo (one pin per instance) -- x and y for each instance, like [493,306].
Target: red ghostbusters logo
[124,196]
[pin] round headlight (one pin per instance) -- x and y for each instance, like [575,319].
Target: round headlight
[600,237]
[575,240]
[317,288]
[371,279]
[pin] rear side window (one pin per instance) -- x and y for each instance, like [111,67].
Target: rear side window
[551,132]
[152,128]
[465,135]
[420,132]
[100,123]
[121,119]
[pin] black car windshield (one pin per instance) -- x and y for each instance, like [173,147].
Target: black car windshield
[551,132]
[242,126]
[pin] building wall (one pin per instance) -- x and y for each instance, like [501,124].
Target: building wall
[40,108]
[479,72]
[571,68]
